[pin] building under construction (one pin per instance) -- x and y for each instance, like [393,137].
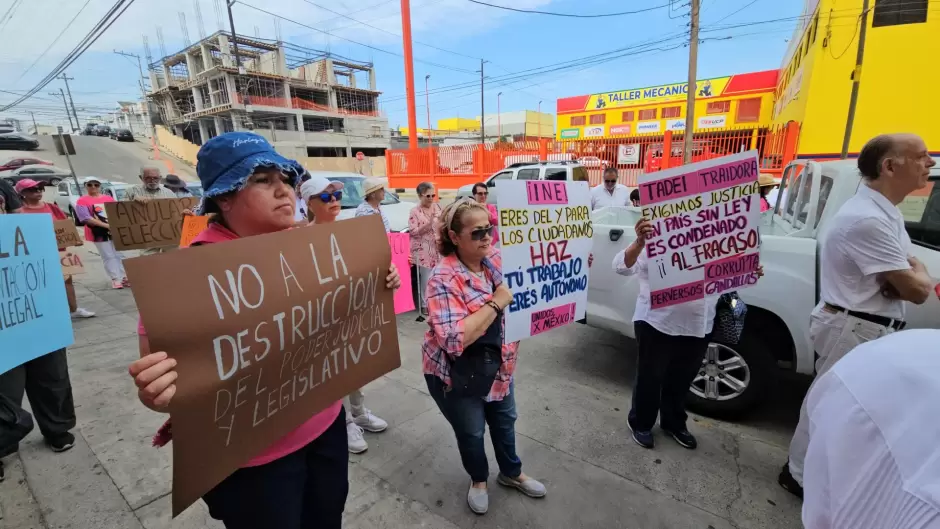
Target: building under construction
[306,102]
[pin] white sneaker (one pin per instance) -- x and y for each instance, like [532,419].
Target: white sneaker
[354,440]
[83,313]
[369,422]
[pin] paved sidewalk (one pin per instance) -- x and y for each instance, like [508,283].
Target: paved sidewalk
[572,396]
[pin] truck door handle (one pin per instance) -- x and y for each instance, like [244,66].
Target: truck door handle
[616,234]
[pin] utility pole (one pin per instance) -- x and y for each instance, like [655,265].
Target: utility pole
[66,103]
[856,81]
[231,23]
[35,127]
[74,113]
[143,92]
[65,149]
[427,106]
[690,100]
[409,73]
[482,108]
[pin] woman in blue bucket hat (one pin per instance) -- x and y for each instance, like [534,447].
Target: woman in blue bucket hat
[300,481]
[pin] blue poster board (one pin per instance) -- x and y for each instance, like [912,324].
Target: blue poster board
[34,312]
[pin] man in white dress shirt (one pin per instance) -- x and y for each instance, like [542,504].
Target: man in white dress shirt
[610,193]
[873,459]
[867,270]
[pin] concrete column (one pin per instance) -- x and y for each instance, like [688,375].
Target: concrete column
[226,48]
[192,65]
[287,95]
[372,79]
[232,93]
[213,97]
[281,62]
[206,57]
[203,132]
[219,125]
[236,124]
[330,75]
[300,122]
[332,95]
[197,98]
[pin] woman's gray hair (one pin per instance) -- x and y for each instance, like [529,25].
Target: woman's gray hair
[424,186]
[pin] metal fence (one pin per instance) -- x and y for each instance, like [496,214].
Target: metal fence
[450,167]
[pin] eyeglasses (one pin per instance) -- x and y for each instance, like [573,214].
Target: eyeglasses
[482,193]
[430,196]
[479,233]
[328,197]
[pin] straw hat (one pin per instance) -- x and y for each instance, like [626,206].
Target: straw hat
[766,180]
[372,185]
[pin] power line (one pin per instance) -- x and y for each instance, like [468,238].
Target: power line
[569,15]
[729,15]
[110,17]
[10,12]
[353,41]
[59,36]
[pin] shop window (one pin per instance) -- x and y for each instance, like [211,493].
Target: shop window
[598,119]
[627,116]
[649,113]
[577,121]
[748,110]
[718,107]
[897,12]
[672,112]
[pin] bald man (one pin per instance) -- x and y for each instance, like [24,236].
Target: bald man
[867,271]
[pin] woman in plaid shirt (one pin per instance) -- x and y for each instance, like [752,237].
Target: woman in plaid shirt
[466,297]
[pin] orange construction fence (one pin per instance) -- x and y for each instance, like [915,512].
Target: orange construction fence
[452,166]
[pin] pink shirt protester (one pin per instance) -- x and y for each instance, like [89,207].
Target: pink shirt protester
[303,434]
[494,221]
[423,229]
[86,207]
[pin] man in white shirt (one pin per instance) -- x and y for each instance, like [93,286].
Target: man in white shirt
[610,193]
[873,459]
[867,270]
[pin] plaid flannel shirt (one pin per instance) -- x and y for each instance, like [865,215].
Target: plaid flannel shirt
[453,293]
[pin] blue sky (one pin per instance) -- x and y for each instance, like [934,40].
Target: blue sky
[511,42]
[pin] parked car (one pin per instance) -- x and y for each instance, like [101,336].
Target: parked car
[69,193]
[89,129]
[123,135]
[395,209]
[48,174]
[103,130]
[557,170]
[736,378]
[15,140]
[19,161]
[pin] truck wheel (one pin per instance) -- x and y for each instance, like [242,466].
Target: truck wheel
[74,216]
[733,379]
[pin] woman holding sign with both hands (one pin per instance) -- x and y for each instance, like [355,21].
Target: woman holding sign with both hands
[671,342]
[301,480]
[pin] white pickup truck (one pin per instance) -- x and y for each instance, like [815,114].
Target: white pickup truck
[734,379]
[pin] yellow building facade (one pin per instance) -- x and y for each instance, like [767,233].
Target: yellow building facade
[898,77]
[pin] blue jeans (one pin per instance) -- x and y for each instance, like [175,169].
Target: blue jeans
[469,417]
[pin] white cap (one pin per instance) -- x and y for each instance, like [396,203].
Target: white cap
[316,185]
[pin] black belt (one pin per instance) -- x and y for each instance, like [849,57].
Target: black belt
[884,321]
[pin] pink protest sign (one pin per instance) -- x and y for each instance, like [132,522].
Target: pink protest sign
[401,247]
[546,320]
[546,192]
[705,228]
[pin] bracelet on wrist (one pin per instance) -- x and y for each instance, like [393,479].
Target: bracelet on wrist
[496,307]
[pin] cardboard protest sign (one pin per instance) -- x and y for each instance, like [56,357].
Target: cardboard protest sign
[153,223]
[267,331]
[192,226]
[705,219]
[401,248]
[34,313]
[66,235]
[71,262]
[545,229]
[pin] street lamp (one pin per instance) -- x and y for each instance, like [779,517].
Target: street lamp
[539,117]
[427,106]
[499,123]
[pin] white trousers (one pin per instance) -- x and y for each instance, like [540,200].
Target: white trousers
[834,334]
[112,259]
[423,275]
[355,404]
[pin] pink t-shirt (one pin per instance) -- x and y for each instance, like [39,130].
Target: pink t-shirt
[303,434]
[90,204]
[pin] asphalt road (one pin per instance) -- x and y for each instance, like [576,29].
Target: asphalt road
[572,391]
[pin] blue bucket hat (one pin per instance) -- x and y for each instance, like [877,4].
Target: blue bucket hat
[225,162]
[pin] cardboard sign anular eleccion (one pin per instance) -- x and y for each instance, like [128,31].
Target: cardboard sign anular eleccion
[267,331]
[157,223]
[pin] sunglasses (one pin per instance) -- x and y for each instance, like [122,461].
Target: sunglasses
[429,196]
[328,197]
[610,181]
[479,233]
[92,185]
[483,193]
